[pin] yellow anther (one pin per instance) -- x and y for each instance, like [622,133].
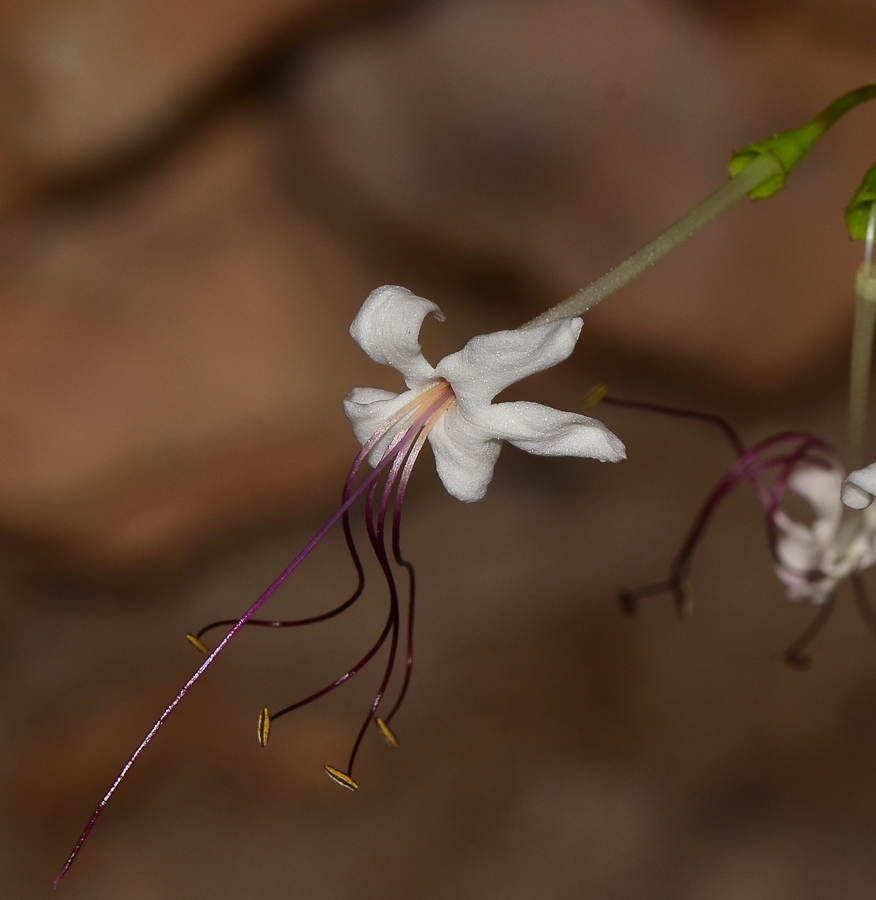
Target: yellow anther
[342,778]
[385,730]
[264,727]
[198,643]
[595,394]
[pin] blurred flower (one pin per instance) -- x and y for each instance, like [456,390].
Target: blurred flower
[812,559]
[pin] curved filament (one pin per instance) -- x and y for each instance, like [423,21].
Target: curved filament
[749,467]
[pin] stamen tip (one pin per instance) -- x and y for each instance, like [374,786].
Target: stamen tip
[386,731]
[264,727]
[199,644]
[342,778]
[595,395]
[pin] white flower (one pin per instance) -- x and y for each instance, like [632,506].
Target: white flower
[466,428]
[812,559]
[859,488]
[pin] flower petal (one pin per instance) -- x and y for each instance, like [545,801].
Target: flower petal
[859,488]
[367,409]
[821,487]
[550,432]
[487,364]
[387,328]
[464,455]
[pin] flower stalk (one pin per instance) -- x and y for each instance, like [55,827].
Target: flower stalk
[757,171]
[761,169]
[862,349]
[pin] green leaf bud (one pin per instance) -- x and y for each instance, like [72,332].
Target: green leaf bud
[858,211]
[788,148]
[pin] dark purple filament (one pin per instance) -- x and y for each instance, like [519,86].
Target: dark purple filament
[398,457]
[777,457]
[728,430]
[375,517]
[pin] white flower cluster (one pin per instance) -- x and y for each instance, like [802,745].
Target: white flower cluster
[813,559]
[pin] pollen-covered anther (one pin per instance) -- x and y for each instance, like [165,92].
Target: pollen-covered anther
[264,727]
[342,778]
[596,395]
[386,731]
[199,644]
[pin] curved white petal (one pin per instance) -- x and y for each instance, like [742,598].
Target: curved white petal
[814,558]
[466,439]
[821,487]
[859,488]
[464,455]
[801,566]
[489,363]
[387,328]
[797,551]
[545,431]
[367,409]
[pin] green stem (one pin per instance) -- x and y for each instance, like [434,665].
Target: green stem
[862,352]
[790,147]
[758,171]
[848,101]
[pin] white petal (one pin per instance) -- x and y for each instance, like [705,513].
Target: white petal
[550,432]
[464,455]
[489,363]
[367,409]
[821,487]
[387,328]
[860,487]
[800,555]
[798,551]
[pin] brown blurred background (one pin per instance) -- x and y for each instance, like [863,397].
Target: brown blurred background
[195,198]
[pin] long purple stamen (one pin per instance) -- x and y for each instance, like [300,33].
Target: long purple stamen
[399,473]
[778,456]
[311,620]
[350,495]
[375,518]
[749,467]
[376,535]
[412,578]
[344,678]
[739,474]
[348,536]
[723,424]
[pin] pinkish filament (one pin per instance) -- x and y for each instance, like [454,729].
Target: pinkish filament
[349,497]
